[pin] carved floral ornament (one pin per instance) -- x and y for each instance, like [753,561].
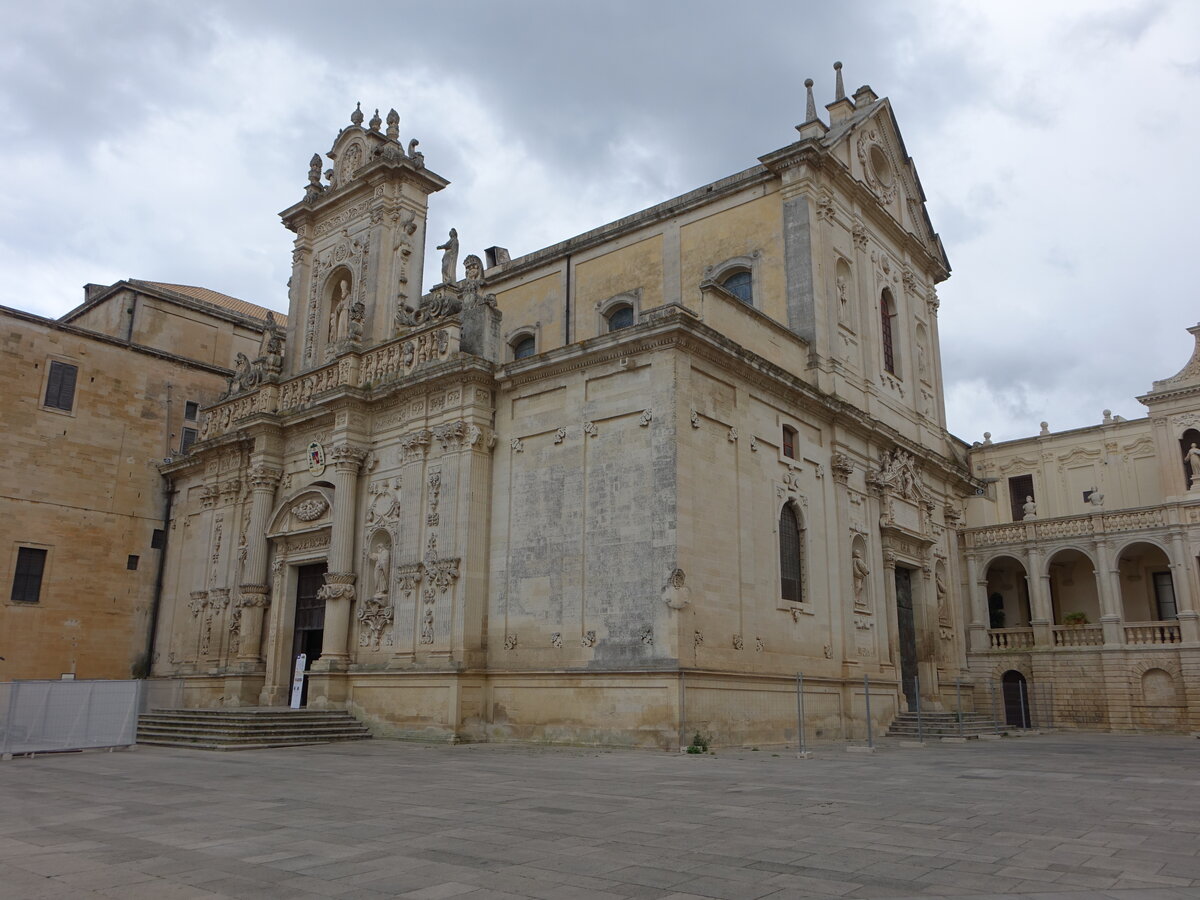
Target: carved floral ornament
[311,509]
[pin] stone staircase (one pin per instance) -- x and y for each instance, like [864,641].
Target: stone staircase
[938,725]
[247,728]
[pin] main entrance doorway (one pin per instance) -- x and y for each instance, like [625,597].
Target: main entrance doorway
[310,618]
[906,626]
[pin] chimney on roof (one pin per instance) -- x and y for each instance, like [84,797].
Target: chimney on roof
[92,291]
[496,256]
[842,106]
[812,126]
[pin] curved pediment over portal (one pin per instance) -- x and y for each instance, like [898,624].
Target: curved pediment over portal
[308,509]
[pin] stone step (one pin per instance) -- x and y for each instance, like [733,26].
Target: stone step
[247,729]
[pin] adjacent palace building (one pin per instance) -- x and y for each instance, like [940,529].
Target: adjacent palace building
[618,490]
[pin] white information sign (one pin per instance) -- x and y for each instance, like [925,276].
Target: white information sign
[298,680]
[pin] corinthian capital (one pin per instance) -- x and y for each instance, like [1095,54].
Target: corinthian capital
[348,457]
[264,478]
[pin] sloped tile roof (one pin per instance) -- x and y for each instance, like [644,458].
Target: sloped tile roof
[204,295]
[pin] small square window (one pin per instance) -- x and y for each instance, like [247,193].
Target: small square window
[191,410]
[189,438]
[60,386]
[131,563]
[158,539]
[27,579]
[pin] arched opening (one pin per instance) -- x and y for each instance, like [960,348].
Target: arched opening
[524,346]
[1015,691]
[791,555]
[1074,599]
[887,314]
[1147,588]
[1008,594]
[741,285]
[619,317]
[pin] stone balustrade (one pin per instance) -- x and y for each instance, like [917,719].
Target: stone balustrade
[1142,633]
[1090,525]
[1078,635]
[1010,638]
[386,362]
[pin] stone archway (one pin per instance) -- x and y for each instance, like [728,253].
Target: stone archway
[1147,584]
[1015,692]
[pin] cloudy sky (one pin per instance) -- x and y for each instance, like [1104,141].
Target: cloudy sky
[1057,143]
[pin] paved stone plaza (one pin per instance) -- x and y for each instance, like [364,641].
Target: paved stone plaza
[1053,816]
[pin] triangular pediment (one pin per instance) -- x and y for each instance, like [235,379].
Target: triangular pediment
[869,140]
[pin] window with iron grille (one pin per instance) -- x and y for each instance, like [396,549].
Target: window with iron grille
[189,438]
[60,387]
[27,579]
[885,326]
[191,410]
[791,563]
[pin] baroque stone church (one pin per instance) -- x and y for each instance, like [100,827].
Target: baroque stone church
[671,462]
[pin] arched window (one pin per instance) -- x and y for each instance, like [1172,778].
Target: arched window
[741,286]
[791,560]
[621,317]
[524,346]
[887,312]
[789,441]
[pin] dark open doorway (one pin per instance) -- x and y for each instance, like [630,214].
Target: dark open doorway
[1016,699]
[310,618]
[906,626]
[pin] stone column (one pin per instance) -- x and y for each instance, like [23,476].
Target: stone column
[1108,586]
[254,592]
[977,630]
[889,593]
[1041,609]
[338,590]
[1185,595]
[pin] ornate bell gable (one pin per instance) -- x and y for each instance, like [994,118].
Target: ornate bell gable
[360,242]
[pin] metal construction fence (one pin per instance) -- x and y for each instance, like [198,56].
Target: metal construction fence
[161,693]
[44,716]
[807,712]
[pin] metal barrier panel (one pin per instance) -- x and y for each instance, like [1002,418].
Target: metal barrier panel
[161,693]
[41,716]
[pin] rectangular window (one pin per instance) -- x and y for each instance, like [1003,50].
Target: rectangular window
[131,563]
[27,580]
[60,389]
[191,410]
[789,442]
[1019,487]
[158,539]
[1164,597]
[189,438]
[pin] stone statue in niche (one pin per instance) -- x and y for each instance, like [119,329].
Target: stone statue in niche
[339,315]
[450,258]
[1193,462]
[843,301]
[939,584]
[1029,509]
[380,560]
[859,570]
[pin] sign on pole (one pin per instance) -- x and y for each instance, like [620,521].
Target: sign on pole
[298,680]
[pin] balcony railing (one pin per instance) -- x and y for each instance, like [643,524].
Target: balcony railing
[1078,635]
[1010,638]
[1046,530]
[1152,633]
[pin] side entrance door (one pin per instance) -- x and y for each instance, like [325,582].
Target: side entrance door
[310,618]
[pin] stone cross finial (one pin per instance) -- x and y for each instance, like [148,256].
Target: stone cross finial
[839,92]
[810,108]
[393,123]
[356,117]
[375,121]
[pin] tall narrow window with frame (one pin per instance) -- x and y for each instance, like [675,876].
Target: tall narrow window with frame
[791,556]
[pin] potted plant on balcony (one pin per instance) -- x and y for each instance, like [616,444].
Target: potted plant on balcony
[1075,618]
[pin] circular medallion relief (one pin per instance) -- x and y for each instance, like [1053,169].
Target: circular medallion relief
[881,166]
[316,458]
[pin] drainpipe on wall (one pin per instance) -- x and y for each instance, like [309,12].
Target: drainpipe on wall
[160,574]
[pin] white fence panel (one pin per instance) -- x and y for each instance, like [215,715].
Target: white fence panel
[41,716]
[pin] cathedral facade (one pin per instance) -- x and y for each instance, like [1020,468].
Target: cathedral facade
[617,490]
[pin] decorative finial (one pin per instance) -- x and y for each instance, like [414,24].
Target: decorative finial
[356,117]
[1045,428]
[314,169]
[393,120]
[987,438]
[810,108]
[839,92]
[375,121]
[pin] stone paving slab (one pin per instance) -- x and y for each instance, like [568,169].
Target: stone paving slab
[1056,817]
